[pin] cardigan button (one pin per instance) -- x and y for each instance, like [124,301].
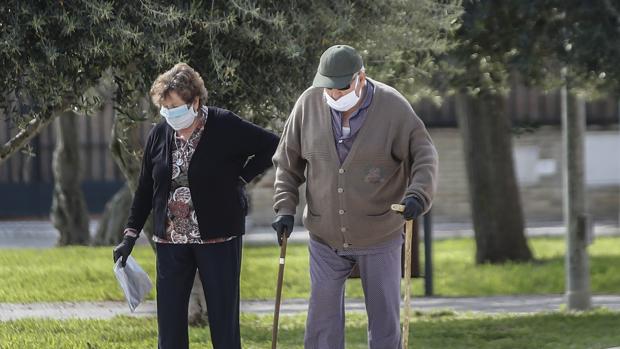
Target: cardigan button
[341,171]
[340,190]
[341,212]
[343,229]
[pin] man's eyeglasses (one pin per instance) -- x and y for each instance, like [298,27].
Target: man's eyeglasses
[344,88]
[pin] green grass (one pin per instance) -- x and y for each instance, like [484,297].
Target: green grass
[85,273]
[596,330]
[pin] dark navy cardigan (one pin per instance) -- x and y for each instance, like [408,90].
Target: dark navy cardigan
[229,148]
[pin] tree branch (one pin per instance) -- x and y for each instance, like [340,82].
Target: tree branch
[32,129]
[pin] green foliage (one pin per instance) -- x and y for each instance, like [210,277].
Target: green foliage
[585,36]
[405,41]
[59,274]
[435,330]
[535,39]
[488,47]
[256,56]
[53,52]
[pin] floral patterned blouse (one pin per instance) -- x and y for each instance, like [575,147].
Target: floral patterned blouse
[181,223]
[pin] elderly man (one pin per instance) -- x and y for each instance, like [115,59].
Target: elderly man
[360,147]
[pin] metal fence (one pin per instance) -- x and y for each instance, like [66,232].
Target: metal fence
[26,180]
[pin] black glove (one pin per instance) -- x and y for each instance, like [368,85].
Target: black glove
[413,208]
[124,249]
[283,225]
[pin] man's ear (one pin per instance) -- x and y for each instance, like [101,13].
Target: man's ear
[362,77]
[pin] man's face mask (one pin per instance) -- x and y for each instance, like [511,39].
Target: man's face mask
[345,102]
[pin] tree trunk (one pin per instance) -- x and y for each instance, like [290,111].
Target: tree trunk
[197,311]
[495,201]
[576,219]
[126,152]
[115,214]
[69,212]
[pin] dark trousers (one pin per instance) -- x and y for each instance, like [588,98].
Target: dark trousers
[219,266]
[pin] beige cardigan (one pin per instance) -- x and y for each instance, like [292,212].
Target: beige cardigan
[349,205]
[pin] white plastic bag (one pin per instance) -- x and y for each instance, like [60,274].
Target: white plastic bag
[134,281]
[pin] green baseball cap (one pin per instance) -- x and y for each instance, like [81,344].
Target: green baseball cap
[337,66]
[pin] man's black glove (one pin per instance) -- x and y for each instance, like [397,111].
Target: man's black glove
[283,225]
[413,208]
[124,249]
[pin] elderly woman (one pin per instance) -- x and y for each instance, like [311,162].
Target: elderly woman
[195,165]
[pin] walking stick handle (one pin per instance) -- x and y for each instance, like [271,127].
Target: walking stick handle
[398,207]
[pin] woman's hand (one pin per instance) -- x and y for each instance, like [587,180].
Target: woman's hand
[124,248]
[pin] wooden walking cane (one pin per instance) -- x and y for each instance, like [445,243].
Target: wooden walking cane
[276,315]
[407,278]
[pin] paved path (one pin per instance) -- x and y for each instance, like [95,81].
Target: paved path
[41,233]
[488,305]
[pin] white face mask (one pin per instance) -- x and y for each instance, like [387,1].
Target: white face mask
[180,117]
[345,102]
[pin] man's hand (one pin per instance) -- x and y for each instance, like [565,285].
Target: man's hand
[124,249]
[283,225]
[413,208]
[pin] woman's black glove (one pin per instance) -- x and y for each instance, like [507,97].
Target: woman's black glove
[283,225]
[413,208]
[245,203]
[124,249]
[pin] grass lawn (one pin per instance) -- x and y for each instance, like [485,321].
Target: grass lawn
[85,273]
[596,330]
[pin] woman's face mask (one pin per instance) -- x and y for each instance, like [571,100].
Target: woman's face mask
[179,117]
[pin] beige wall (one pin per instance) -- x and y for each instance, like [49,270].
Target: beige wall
[538,161]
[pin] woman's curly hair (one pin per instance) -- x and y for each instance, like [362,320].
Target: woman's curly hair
[183,80]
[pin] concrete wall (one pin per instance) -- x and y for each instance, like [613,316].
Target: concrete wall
[538,161]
